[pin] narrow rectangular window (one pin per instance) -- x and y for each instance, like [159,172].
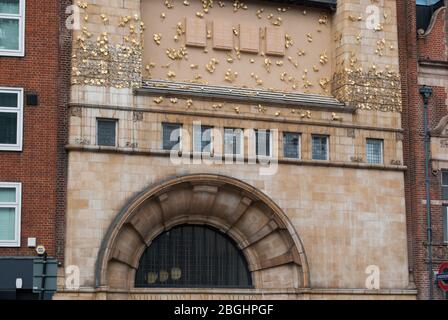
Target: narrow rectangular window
[263,142]
[202,138]
[10,206]
[11,119]
[171,136]
[319,147]
[107,132]
[291,145]
[12,28]
[233,141]
[445,224]
[445,184]
[374,151]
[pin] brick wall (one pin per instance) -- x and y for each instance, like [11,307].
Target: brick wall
[433,46]
[40,166]
[411,49]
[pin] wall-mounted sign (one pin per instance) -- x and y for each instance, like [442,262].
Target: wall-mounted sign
[442,277]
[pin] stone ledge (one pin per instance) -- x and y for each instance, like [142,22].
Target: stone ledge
[164,153]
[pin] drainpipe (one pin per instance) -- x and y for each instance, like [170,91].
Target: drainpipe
[426,93]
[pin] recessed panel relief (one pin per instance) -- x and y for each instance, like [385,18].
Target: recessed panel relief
[261,46]
[249,38]
[195,32]
[222,35]
[275,41]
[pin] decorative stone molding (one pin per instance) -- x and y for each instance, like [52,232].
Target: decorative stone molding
[372,90]
[264,234]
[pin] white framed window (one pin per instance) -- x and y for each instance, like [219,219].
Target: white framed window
[12,28]
[234,141]
[11,119]
[374,151]
[10,213]
[291,145]
[320,150]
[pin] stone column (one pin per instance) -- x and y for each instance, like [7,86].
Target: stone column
[366,55]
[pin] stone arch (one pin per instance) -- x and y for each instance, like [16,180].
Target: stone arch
[269,242]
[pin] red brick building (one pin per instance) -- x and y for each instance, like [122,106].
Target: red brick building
[424,63]
[34,73]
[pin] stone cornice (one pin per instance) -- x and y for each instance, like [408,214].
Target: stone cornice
[243,95]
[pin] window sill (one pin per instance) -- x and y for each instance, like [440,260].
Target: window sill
[9,245]
[11,149]
[8,54]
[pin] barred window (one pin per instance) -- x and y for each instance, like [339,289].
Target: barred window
[263,142]
[202,138]
[233,141]
[319,147]
[291,145]
[374,151]
[191,256]
[107,132]
[171,136]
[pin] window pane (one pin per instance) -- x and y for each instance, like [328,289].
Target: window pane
[202,138]
[7,223]
[9,34]
[106,133]
[263,142]
[445,224]
[8,99]
[10,6]
[206,138]
[171,136]
[232,141]
[445,178]
[7,195]
[374,151]
[320,148]
[445,193]
[8,128]
[291,145]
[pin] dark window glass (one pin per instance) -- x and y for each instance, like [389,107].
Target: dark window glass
[291,145]
[445,185]
[107,135]
[263,142]
[193,256]
[171,136]
[202,138]
[445,224]
[8,128]
[320,147]
[8,100]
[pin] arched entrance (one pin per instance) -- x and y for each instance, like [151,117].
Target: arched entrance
[260,230]
[193,256]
